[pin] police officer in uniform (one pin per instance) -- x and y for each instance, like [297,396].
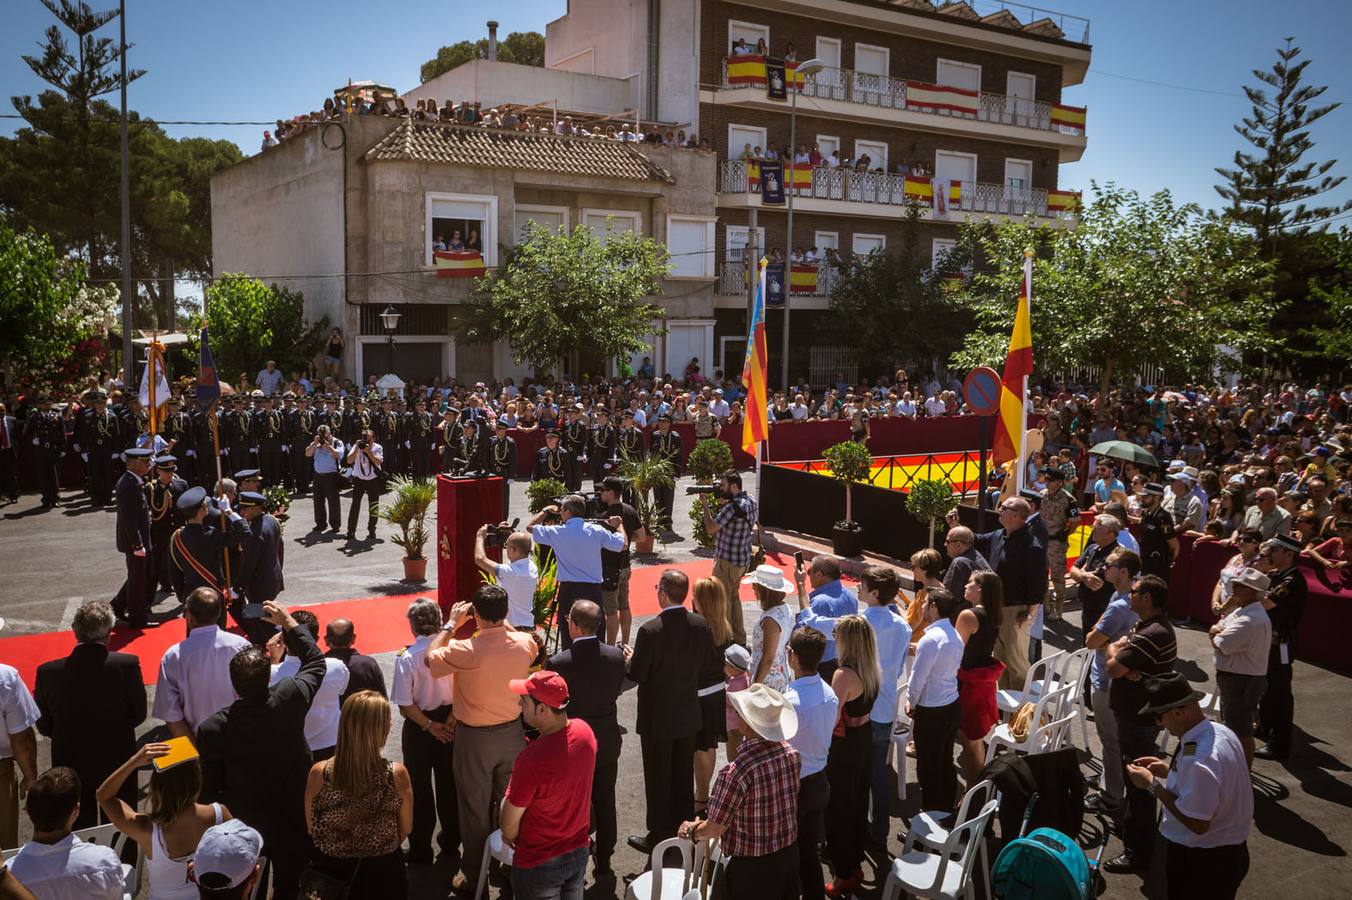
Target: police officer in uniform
[49,436]
[502,461]
[133,538]
[389,431]
[421,434]
[630,439]
[550,460]
[1285,605]
[332,416]
[100,440]
[206,458]
[271,440]
[163,492]
[356,422]
[604,444]
[667,444]
[300,430]
[259,576]
[177,431]
[575,438]
[237,434]
[1062,514]
[1159,546]
[427,739]
[448,439]
[196,549]
[471,449]
[247,480]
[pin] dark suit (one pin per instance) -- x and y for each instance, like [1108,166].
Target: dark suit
[668,446]
[1020,561]
[91,703]
[363,673]
[203,545]
[595,673]
[258,577]
[255,760]
[9,457]
[670,652]
[133,534]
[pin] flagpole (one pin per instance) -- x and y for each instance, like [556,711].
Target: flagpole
[152,418]
[216,446]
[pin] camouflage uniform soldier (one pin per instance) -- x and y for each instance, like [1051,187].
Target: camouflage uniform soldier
[1062,514]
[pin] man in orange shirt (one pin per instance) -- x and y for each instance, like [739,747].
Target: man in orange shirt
[488,733]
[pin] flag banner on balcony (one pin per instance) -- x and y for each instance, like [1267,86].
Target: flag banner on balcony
[942,98]
[1068,119]
[752,175]
[458,263]
[921,190]
[775,87]
[1063,201]
[803,279]
[772,181]
[746,70]
[796,79]
[774,284]
[800,176]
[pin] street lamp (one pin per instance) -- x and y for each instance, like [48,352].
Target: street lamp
[805,68]
[390,319]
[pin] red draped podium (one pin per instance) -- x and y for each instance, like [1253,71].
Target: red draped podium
[463,504]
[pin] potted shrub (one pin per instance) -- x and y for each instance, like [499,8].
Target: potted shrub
[710,459]
[850,463]
[541,493]
[930,500]
[645,474]
[407,510]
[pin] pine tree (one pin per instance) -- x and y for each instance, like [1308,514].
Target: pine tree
[1267,190]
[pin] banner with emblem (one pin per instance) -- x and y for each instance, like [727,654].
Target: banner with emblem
[775,85]
[772,181]
[774,284]
[154,386]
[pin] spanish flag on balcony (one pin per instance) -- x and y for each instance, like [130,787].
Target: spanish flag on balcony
[945,97]
[921,190]
[747,70]
[799,175]
[1009,427]
[458,263]
[752,175]
[1069,118]
[795,78]
[1063,202]
[803,279]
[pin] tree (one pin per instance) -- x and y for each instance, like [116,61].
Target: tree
[1136,282]
[1333,334]
[526,48]
[252,323]
[877,299]
[1262,187]
[563,290]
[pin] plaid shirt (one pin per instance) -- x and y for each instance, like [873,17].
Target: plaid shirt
[756,798]
[733,541]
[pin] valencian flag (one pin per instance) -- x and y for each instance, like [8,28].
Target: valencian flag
[1009,427]
[154,386]
[755,427]
[208,388]
[458,263]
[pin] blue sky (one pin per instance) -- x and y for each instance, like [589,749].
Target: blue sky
[250,60]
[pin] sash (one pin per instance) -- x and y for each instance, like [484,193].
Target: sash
[202,571]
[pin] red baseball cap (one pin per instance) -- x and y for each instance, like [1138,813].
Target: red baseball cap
[547,687]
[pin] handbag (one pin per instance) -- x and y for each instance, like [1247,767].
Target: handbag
[316,884]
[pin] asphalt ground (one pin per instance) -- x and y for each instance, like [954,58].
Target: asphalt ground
[52,561]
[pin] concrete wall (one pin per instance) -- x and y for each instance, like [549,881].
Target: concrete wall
[494,83]
[678,62]
[602,37]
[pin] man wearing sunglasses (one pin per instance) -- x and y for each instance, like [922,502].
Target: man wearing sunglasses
[1118,619]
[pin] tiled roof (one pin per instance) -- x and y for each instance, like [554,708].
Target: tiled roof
[493,148]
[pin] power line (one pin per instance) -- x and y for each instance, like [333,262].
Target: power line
[1165,84]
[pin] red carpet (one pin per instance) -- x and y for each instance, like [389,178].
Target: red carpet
[380,623]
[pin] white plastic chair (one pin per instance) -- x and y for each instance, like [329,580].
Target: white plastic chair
[945,875]
[1072,672]
[929,830]
[660,882]
[1039,673]
[494,848]
[1211,705]
[1048,729]
[901,736]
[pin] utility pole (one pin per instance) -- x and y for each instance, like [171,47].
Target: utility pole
[128,300]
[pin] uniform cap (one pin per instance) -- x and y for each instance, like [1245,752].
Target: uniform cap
[246,474]
[166,462]
[250,498]
[138,453]
[192,500]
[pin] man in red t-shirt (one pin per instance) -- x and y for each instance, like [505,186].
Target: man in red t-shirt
[547,811]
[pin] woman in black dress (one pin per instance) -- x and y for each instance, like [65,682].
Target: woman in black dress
[980,671]
[855,684]
[710,601]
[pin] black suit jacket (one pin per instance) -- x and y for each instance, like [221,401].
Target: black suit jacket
[363,673]
[133,514]
[595,673]
[1021,562]
[670,652]
[90,704]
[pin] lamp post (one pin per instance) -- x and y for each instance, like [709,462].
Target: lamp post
[390,319]
[805,68]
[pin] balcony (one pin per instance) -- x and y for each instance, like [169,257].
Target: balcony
[809,279]
[847,192]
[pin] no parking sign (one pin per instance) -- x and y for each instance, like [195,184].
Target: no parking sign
[981,390]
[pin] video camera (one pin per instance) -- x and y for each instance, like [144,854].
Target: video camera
[714,489]
[595,512]
[497,535]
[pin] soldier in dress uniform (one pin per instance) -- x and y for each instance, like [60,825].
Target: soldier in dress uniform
[389,429]
[236,427]
[502,461]
[162,493]
[49,435]
[356,422]
[177,431]
[197,548]
[575,439]
[550,460]
[471,449]
[448,439]
[666,443]
[1158,543]
[1062,515]
[258,579]
[332,416]
[271,440]
[630,439]
[300,430]
[203,453]
[421,434]
[99,440]
[1285,604]
[133,537]
[601,452]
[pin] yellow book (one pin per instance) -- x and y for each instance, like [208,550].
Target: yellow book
[181,750]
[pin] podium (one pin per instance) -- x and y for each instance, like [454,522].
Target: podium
[463,504]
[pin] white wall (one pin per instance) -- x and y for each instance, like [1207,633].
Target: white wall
[678,62]
[492,83]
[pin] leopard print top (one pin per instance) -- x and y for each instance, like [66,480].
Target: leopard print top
[365,825]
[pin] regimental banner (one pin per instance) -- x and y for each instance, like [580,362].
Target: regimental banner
[458,263]
[1063,202]
[1068,118]
[942,97]
[803,279]
[774,284]
[772,181]
[921,190]
[775,87]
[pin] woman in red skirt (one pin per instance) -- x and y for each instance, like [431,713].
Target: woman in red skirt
[977,677]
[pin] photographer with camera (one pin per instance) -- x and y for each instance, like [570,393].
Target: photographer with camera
[615,564]
[577,545]
[367,459]
[327,453]
[732,525]
[518,575]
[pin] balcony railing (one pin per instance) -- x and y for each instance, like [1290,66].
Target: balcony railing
[885,92]
[741,176]
[809,279]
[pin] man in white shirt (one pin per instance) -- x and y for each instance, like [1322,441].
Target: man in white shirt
[321,722]
[1243,642]
[518,575]
[935,406]
[427,738]
[818,708]
[18,744]
[798,409]
[932,702]
[270,379]
[367,459]
[719,407]
[194,679]
[55,864]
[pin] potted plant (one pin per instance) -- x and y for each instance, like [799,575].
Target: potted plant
[850,463]
[930,500]
[407,510]
[646,474]
[541,493]
[710,459]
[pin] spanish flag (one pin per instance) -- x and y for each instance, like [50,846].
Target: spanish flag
[154,386]
[1063,202]
[1009,427]
[755,427]
[1070,118]
[803,278]
[795,78]
[746,70]
[798,175]
[458,263]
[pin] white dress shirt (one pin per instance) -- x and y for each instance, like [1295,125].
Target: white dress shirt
[18,711]
[518,579]
[893,637]
[1211,780]
[413,681]
[70,869]
[1244,641]
[362,469]
[934,674]
[194,681]
[321,722]
[818,708]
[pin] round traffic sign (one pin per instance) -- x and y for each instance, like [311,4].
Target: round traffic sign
[981,390]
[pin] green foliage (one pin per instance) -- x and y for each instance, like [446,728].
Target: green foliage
[546,589]
[701,534]
[646,473]
[252,323]
[850,463]
[542,491]
[930,500]
[407,510]
[563,290]
[1333,333]
[710,459]
[276,502]
[39,295]
[526,48]
[1136,281]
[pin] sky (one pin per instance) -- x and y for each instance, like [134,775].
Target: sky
[1166,124]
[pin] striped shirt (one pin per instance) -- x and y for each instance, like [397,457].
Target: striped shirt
[756,798]
[1150,650]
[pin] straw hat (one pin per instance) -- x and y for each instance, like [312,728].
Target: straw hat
[766,711]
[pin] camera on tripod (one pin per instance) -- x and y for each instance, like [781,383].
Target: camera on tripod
[497,535]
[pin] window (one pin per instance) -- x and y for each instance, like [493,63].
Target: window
[462,221]
[742,136]
[871,70]
[603,222]
[953,166]
[1018,185]
[828,51]
[749,32]
[830,82]
[958,74]
[825,240]
[690,241]
[551,217]
[939,249]
[737,240]
[1020,91]
[876,152]
[828,144]
[864,244]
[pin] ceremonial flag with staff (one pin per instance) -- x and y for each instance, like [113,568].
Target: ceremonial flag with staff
[1009,427]
[154,386]
[755,427]
[208,387]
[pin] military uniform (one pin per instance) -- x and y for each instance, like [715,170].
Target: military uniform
[177,431]
[300,430]
[470,449]
[1157,528]
[502,462]
[667,445]
[237,438]
[421,434]
[630,443]
[134,543]
[271,429]
[449,441]
[99,439]
[196,550]
[162,497]
[355,422]
[550,463]
[390,435]
[601,452]
[575,438]
[49,436]
[258,577]
[1276,711]
[1061,514]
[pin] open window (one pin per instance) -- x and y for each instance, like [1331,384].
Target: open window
[463,222]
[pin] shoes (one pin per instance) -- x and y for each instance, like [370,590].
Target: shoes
[351,535]
[460,885]
[844,887]
[1267,751]
[1096,803]
[1127,863]
[371,534]
[641,843]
